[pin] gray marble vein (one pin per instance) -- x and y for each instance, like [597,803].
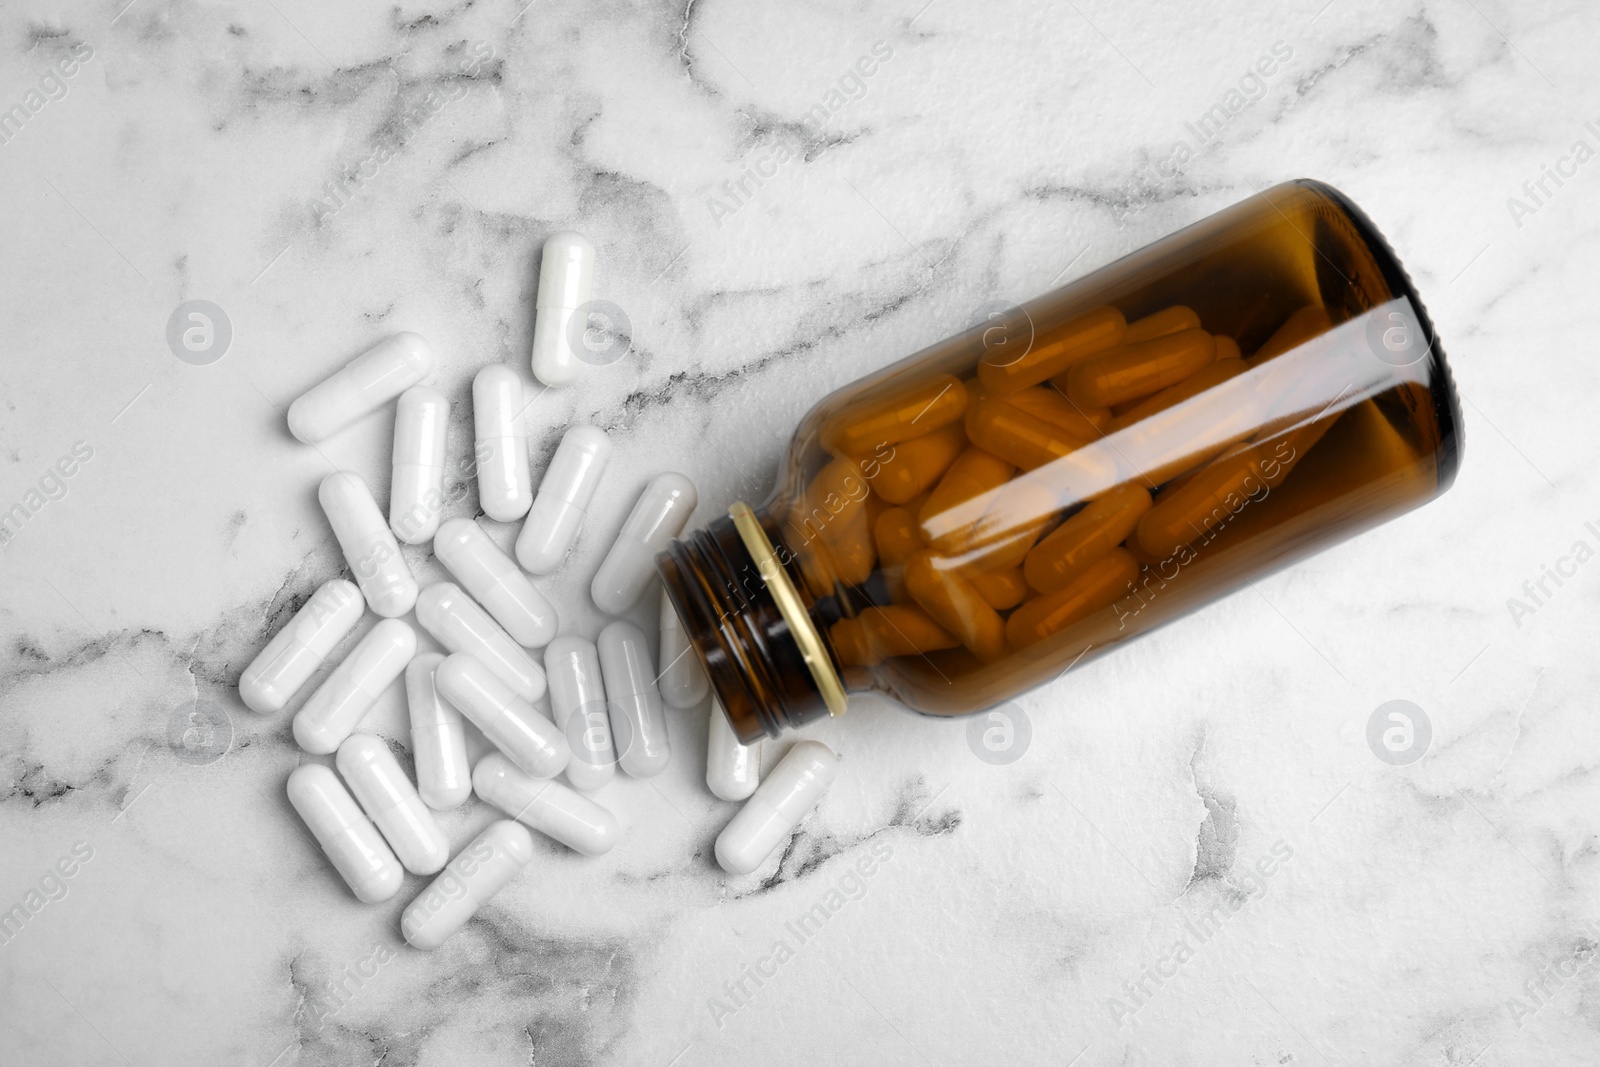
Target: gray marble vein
[1198,859]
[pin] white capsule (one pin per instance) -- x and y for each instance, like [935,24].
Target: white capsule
[416,494]
[346,695]
[637,720]
[572,667]
[511,724]
[495,581]
[564,494]
[732,770]
[361,387]
[657,517]
[548,807]
[391,802]
[566,283]
[347,838]
[294,655]
[369,545]
[780,802]
[683,680]
[457,622]
[504,488]
[438,738]
[478,872]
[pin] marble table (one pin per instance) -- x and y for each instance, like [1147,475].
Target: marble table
[786,197]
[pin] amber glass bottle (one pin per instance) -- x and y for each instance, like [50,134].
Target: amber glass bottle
[972,521]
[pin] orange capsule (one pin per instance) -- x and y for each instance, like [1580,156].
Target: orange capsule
[882,632]
[1001,590]
[849,643]
[840,488]
[816,566]
[833,510]
[1184,466]
[955,605]
[1192,386]
[1101,525]
[1018,437]
[1000,551]
[1098,587]
[1053,352]
[1163,322]
[974,473]
[995,529]
[1009,520]
[1074,479]
[1172,486]
[1296,330]
[1215,409]
[1227,347]
[897,538]
[916,465]
[1051,404]
[1132,371]
[1116,410]
[1145,559]
[875,506]
[1146,589]
[853,554]
[901,415]
[1218,492]
[899,630]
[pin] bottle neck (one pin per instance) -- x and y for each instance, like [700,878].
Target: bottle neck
[732,615]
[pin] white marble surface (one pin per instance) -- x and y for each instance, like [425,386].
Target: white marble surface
[1001,146]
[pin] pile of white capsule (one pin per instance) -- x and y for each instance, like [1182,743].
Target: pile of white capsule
[605,698]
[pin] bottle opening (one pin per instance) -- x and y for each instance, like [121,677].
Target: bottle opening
[762,666]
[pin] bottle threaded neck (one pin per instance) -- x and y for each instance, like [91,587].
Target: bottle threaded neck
[734,623]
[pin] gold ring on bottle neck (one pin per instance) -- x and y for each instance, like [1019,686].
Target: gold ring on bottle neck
[790,606]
